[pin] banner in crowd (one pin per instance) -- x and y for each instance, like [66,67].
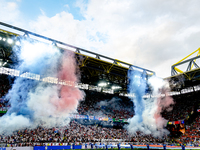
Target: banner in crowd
[176,122]
[120,120]
[87,117]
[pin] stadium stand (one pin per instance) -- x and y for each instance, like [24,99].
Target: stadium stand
[105,104]
[183,118]
[79,133]
[184,105]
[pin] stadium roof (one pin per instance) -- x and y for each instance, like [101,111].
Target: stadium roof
[186,72]
[94,67]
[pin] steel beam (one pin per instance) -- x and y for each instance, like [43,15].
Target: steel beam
[76,48]
[191,59]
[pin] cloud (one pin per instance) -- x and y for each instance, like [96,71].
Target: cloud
[147,33]
[10,13]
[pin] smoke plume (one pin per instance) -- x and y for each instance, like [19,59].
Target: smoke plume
[37,102]
[147,118]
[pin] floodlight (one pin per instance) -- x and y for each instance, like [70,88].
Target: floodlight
[4,63]
[4,39]
[0,38]
[10,41]
[103,84]
[17,43]
[116,87]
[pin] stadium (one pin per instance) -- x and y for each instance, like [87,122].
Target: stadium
[66,97]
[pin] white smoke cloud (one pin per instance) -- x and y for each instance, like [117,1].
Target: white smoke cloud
[35,103]
[149,119]
[13,122]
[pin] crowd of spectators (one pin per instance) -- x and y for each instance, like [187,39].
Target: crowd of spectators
[102,104]
[122,107]
[192,133]
[185,109]
[5,85]
[78,134]
[184,104]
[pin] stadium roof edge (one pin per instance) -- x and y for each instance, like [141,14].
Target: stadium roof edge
[184,73]
[71,46]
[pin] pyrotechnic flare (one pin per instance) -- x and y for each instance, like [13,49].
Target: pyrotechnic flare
[35,102]
[147,118]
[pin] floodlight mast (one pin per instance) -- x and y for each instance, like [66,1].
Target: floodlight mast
[78,50]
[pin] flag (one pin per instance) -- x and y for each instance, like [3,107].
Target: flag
[56,130]
[125,120]
[176,122]
[110,119]
[86,117]
[103,107]
[105,118]
[169,122]
[121,120]
[101,118]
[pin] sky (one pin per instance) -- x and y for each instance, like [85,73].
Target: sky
[151,34]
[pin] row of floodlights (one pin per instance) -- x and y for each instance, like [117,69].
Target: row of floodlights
[9,40]
[28,75]
[172,93]
[104,84]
